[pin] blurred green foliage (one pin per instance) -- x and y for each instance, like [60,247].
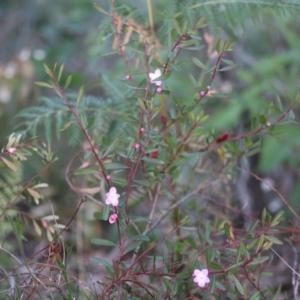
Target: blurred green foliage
[260,84]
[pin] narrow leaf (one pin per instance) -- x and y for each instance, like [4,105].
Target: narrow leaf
[79,96]
[40,185]
[37,228]
[198,63]
[68,81]
[132,246]
[238,285]
[9,164]
[102,242]
[114,166]
[61,69]
[44,84]
[273,239]
[153,161]
[100,9]
[176,26]
[105,212]
[34,193]
[100,261]
[140,237]
[86,171]
[48,71]
[111,147]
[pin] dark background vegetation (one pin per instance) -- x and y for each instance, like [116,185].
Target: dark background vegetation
[266,55]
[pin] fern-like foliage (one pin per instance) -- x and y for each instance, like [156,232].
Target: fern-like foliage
[228,14]
[233,13]
[99,116]
[53,115]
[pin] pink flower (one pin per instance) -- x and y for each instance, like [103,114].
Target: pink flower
[201,277]
[112,197]
[113,218]
[202,93]
[136,146]
[108,177]
[159,89]
[11,150]
[128,77]
[155,75]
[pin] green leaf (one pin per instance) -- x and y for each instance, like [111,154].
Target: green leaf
[276,220]
[219,46]
[97,215]
[105,212]
[260,241]
[67,125]
[227,230]
[132,246]
[208,255]
[153,161]
[140,237]
[86,171]
[238,285]
[262,120]
[111,147]
[139,219]
[198,63]
[215,266]
[18,223]
[164,76]
[200,23]
[220,286]
[99,8]
[48,71]
[9,164]
[191,242]
[279,103]
[141,104]
[208,232]
[61,69]
[241,250]
[192,262]
[79,96]
[273,239]
[188,228]
[68,81]
[183,276]
[102,242]
[263,216]
[258,260]
[176,26]
[91,121]
[228,68]
[228,46]
[228,62]
[253,226]
[100,261]
[115,166]
[168,284]
[256,296]
[142,182]
[44,84]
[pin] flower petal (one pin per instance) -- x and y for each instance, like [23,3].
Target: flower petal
[112,190]
[204,272]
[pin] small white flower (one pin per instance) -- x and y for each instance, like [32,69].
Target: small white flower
[201,277]
[112,197]
[155,75]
